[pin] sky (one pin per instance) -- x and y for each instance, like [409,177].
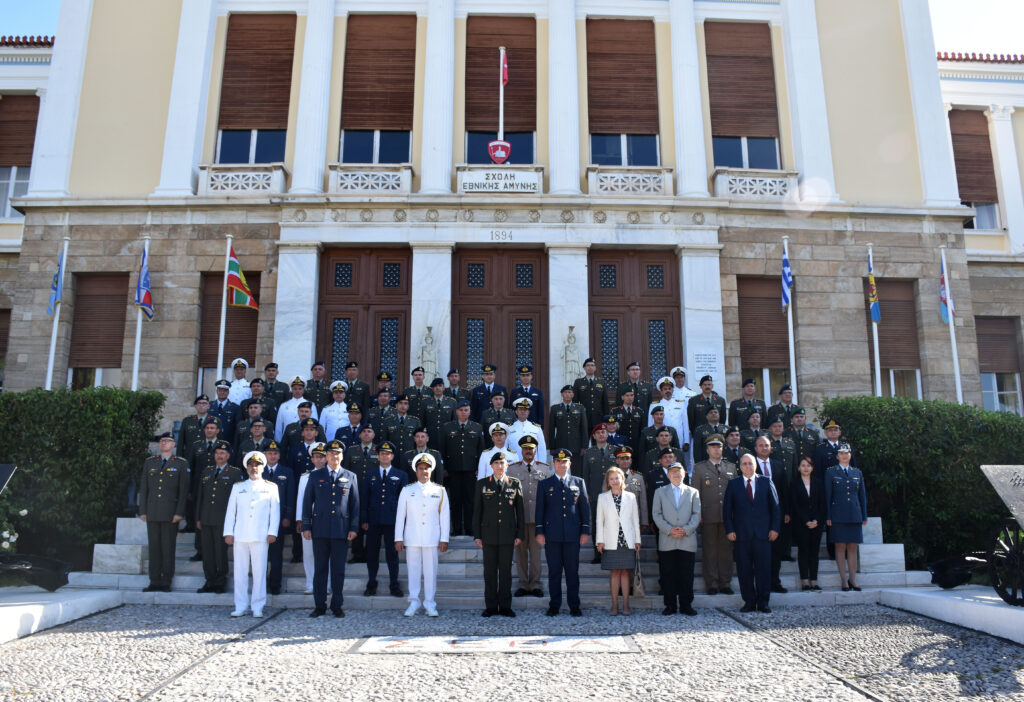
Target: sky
[982,26]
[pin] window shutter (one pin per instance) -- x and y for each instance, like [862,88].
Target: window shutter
[741,79]
[622,77]
[380,70]
[972,153]
[97,330]
[257,82]
[764,335]
[240,324]
[5,332]
[997,344]
[18,114]
[897,331]
[484,34]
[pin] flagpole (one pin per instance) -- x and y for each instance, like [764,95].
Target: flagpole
[223,310]
[138,321]
[950,312]
[874,332]
[62,263]
[501,93]
[789,322]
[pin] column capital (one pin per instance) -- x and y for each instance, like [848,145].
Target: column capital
[568,247]
[948,106]
[699,250]
[999,113]
[41,93]
[299,246]
[439,246]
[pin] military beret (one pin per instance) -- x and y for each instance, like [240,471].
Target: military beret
[383,375]
[200,398]
[258,420]
[657,408]
[705,379]
[610,418]
[797,409]
[566,387]
[305,404]
[424,458]
[525,368]
[597,427]
[562,455]
[353,407]
[843,448]
[336,446]
[166,435]
[712,408]
[462,403]
[317,448]
[732,430]
[222,384]
[679,370]
[632,364]
[417,368]
[628,391]
[255,456]
[776,419]
[435,382]
[256,381]
[239,362]
[272,446]
[255,402]
[401,397]
[210,419]
[297,380]
[666,452]
[590,360]
[489,368]
[317,363]
[523,402]
[452,371]
[385,446]
[339,384]
[222,446]
[498,428]
[785,387]
[503,393]
[624,451]
[351,364]
[308,422]
[714,439]
[663,430]
[830,424]
[421,429]
[528,441]
[269,366]
[499,456]
[749,381]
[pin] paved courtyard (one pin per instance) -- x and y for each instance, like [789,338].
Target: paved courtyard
[174,653]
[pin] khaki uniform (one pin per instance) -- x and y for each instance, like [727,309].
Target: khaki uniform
[163,494]
[717,558]
[528,552]
[636,484]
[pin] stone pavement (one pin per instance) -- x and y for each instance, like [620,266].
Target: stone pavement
[835,653]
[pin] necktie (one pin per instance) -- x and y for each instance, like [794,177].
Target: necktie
[718,467]
[209,445]
[766,470]
[271,472]
[439,404]
[366,451]
[217,473]
[750,490]
[846,471]
[383,471]
[164,464]
[529,468]
[334,476]
[401,421]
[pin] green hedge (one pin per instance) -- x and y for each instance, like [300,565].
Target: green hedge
[921,464]
[76,452]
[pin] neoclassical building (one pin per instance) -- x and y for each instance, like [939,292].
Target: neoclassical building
[663,153]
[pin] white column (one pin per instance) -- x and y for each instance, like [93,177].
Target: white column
[431,302]
[806,85]
[1004,156]
[190,88]
[438,98]
[58,114]
[314,99]
[567,306]
[931,124]
[691,157]
[563,101]
[700,294]
[295,314]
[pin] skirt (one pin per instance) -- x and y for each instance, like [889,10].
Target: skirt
[618,559]
[846,533]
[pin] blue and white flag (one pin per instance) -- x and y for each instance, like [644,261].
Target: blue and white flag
[56,286]
[787,282]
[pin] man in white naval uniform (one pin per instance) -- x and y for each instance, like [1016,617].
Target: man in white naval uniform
[335,416]
[318,454]
[250,526]
[499,435]
[239,385]
[288,412]
[421,530]
[680,391]
[675,410]
[524,427]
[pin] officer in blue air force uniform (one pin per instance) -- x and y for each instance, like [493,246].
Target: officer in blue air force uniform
[330,512]
[527,389]
[563,525]
[378,506]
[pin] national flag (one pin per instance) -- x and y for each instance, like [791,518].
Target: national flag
[239,294]
[143,292]
[504,67]
[945,299]
[876,310]
[787,282]
[56,286]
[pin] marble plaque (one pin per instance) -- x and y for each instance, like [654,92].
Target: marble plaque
[1008,482]
[496,644]
[500,180]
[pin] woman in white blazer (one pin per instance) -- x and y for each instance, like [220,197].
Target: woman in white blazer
[250,526]
[618,536]
[676,512]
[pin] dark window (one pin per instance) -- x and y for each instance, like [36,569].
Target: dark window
[270,145]
[656,277]
[642,149]
[392,275]
[394,147]
[475,275]
[343,275]
[234,145]
[520,142]
[762,152]
[606,149]
[607,276]
[728,151]
[524,275]
[358,146]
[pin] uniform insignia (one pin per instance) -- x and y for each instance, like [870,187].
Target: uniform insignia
[395,477]
[343,480]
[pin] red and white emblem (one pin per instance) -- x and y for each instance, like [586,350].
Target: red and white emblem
[499,151]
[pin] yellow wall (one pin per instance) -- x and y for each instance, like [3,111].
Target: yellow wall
[584,105]
[126,87]
[782,100]
[666,127]
[417,101]
[213,99]
[293,98]
[542,101]
[11,230]
[1018,136]
[334,110]
[459,109]
[997,242]
[867,95]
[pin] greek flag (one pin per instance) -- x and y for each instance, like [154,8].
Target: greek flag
[56,286]
[787,282]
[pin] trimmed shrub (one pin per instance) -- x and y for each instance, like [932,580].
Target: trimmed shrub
[921,463]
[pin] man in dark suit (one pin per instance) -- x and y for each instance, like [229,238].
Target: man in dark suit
[527,389]
[287,486]
[563,525]
[482,393]
[358,391]
[752,517]
[774,468]
[378,499]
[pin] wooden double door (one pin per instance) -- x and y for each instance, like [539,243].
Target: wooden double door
[499,313]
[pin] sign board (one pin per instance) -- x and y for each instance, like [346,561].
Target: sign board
[500,180]
[1008,482]
[496,644]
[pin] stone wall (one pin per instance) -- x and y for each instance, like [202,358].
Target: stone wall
[997,288]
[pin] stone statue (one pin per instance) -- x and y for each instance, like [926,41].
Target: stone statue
[571,358]
[428,356]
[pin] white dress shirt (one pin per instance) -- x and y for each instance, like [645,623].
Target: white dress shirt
[483,466]
[239,390]
[254,511]
[288,412]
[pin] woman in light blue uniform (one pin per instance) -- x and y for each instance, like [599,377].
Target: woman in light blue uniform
[846,501]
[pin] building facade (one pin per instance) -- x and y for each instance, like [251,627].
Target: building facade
[662,152]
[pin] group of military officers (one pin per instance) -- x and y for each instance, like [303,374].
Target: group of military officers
[478,449]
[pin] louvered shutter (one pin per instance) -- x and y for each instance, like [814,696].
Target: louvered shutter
[897,330]
[98,327]
[622,77]
[972,153]
[18,114]
[257,82]
[380,70]
[5,332]
[484,34]
[741,79]
[997,344]
[764,336]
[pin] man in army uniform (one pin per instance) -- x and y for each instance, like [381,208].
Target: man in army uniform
[805,440]
[782,447]
[349,434]
[526,389]
[697,406]
[214,490]
[297,455]
[259,394]
[596,461]
[225,410]
[631,423]
[522,426]
[499,526]
[643,391]
[700,437]
[239,385]
[463,444]
[563,525]
[438,410]
[567,425]
[417,393]
[382,407]
[497,412]
[274,387]
[253,411]
[288,411]
[733,450]
[663,439]
[399,427]
[748,437]
[384,381]
[529,472]
[648,437]
[455,389]
[783,408]
[591,392]
[741,409]
[191,429]
[287,492]
[201,457]
[710,478]
[358,391]
[420,439]
[255,438]
[163,494]
[500,443]
[635,484]
[318,389]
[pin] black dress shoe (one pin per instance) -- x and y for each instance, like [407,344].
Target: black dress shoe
[217,591]
[668,610]
[778,588]
[846,588]
[196,557]
[688,611]
[712,590]
[318,612]
[396,592]
[505,612]
[552,612]
[164,588]
[339,612]
[597,558]
[575,612]
[205,588]
[152,588]
[274,591]
[764,609]
[371,590]
[488,613]
[521,592]
[537,593]
[815,588]
[747,608]
[727,591]
[296,559]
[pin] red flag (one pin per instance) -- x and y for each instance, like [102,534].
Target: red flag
[504,68]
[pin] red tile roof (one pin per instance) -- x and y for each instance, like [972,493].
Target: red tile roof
[27,42]
[979,58]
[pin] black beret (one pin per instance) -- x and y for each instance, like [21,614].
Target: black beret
[566,387]
[706,377]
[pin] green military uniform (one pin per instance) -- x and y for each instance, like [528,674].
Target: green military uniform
[399,430]
[437,413]
[596,462]
[461,448]
[593,395]
[631,424]
[568,427]
[498,520]
[462,394]
[710,481]
[163,495]
[269,405]
[749,437]
[697,409]
[418,398]
[359,393]
[701,435]
[806,442]
[649,440]
[643,393]
[437,476]
[211,506]
[650,461]
[784,449]
[733,455]
[375,418]
[785,412]
[740,411]
[319,393]
[190,432]
[490,416]
[278,390]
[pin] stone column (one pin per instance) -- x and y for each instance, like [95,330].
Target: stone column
[295,318]
[1004,156]
[806,85]
[438,98]
[58,114]
[700,292]
[691,156]
[931,124]
[431,301]
[567,306]
[314,99]
[563,100]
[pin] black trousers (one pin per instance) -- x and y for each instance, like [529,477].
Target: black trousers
[275,557]
[374,535]
[498,576]
[808,543]
[677,578]
[753,568]
[215,555]
[329,556]
[161,537]
[460,492]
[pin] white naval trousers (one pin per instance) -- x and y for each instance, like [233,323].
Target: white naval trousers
[252,553]
[422,561]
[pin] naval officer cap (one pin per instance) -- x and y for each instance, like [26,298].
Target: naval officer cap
[240,362]
[525,368]
[200,398]
[297,380]
[222,384]
[335,446]
[843,448]
[256,456]
[339,385]
[166,435]
[714,440]
[424,459]
[499,456]
[386,446]
[562,455]
[272,446]
[222,446]
[528,441]
[317,448]
[498,428]
[665,380]
[523,402]
[435,382]
[678,370]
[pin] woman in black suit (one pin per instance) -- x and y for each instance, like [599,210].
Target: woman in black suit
[807,506]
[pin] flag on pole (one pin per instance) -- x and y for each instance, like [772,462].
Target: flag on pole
[239,293]
[787,282]
[945,300]
[56,286]
[876,309]
[504,68]
[143,292]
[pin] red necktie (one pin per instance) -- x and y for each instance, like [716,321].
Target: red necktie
[750,490]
